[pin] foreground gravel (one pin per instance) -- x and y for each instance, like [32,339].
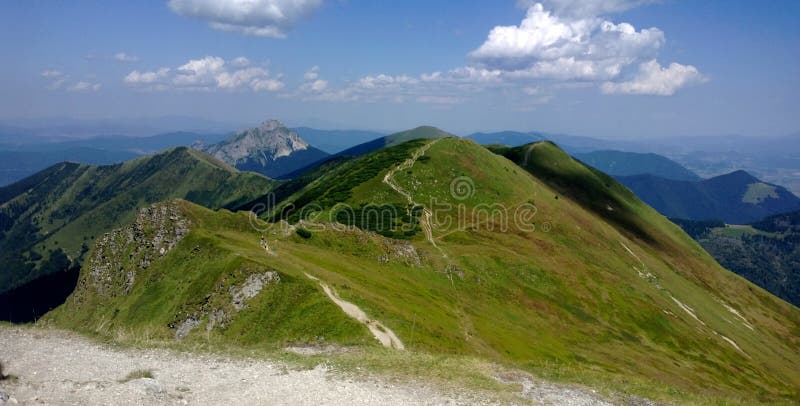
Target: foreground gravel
[54,367]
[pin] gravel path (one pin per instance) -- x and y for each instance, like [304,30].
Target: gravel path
[55,367]
[60,368]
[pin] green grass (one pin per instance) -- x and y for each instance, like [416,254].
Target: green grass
[563,303]
[757,193]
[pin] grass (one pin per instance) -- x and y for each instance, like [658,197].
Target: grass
[138,374]
[566,304]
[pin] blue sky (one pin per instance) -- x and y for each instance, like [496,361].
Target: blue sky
[619,68]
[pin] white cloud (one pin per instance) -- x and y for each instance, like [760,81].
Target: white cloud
[439,100]
[550,46]
[123,57]
[84,87]
[270,18]
[136,77]
[653,79]
[240,62]
[51,74]
[208,73]
[55,77]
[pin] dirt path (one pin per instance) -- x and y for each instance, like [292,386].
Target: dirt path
[425,220]
[382,333]
[60,368]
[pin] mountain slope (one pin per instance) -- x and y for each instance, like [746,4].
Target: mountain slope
[736,198]
[56,213]
[271,149]
[486,258]
[620,163]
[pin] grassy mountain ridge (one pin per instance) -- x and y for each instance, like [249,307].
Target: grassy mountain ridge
[615,301]
[422,132]
[65,207]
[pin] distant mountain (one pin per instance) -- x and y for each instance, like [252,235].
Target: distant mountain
[736,198]
[22,159]
[620,163]
[139,145]
[47,128]
[509,138]
[333,141]
[570,143]
[48,220]
[16,165]
[271,149]
[766,252]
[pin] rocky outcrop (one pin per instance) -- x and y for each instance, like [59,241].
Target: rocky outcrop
[251,287]
[121,255]
[221,305]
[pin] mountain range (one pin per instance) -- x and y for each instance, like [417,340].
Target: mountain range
[735,198]
[540,262]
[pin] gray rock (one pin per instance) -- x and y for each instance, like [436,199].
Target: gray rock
[251,287]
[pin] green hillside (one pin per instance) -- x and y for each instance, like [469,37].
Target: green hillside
[59,212]
[534,261]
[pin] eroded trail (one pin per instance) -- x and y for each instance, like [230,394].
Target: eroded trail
[382,333]
[425,219]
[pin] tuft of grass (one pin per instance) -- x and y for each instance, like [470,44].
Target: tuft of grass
[138,374]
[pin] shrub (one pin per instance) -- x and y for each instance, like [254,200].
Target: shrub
[304,233]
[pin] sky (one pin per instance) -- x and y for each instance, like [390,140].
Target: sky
[616,68]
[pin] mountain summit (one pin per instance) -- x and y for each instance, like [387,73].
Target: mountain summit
[271,149]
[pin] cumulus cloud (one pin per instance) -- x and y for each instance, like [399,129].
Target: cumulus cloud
[123,57]
[208,73]
[136,77]
[571,41]
[84,87]
[653,79]
[268,18]
[551,46]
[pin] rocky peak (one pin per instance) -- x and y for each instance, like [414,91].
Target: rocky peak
[265,143]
